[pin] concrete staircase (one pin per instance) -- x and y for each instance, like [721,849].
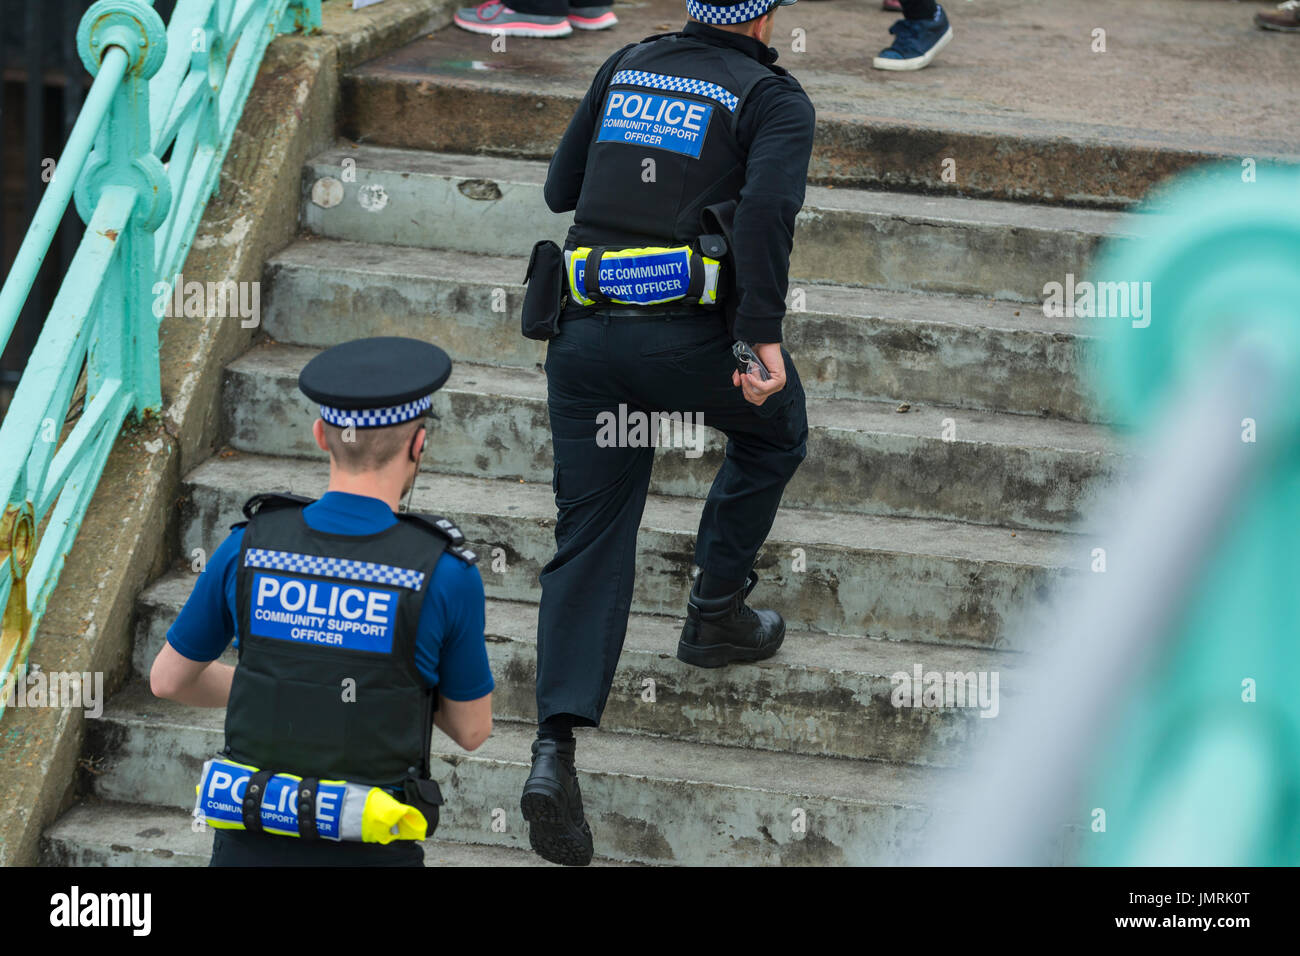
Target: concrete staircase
[954,449]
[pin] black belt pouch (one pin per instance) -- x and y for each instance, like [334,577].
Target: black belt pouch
[425,796]
[544,298]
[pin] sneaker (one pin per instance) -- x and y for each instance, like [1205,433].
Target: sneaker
[915,43]
[493,17]
[893,6]
[1285,19]
[592,18]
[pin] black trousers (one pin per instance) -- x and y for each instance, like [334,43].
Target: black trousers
[604,365]
[912,9]
[552,8]
[240,848]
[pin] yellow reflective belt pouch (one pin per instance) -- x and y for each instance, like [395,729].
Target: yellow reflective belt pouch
[648,276]
[343,811]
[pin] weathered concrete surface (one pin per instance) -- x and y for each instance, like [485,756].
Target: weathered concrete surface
[887,578]
[865,457]
[289,115]
[360,35]
[848,342]
[886,240]
[118,549]
[101,833]
[128,529]
[824,694]
[647,799]
[1019,101]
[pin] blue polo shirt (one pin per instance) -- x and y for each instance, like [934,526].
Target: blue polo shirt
[450,649]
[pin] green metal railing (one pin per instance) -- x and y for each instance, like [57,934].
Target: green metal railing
[142,161]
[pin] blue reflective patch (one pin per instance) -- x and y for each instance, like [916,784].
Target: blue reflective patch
[326,613]
[648,119]
[221,797]
[642,279]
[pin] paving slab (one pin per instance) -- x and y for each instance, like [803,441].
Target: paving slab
[888,240]
[822,694]
[1014,471]
[101,833]
[648,799]
[849,342]
[888,578]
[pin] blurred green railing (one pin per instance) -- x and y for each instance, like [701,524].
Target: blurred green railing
[142,161]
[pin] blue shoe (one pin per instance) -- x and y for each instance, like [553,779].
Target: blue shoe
[915,42]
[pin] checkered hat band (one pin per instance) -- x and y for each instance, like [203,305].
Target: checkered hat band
[739,13]
[678,84]
[324,567]
[375,417]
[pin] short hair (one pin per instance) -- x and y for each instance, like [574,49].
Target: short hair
[369,449]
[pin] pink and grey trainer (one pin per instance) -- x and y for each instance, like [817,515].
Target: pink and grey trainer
[494,17]
[592,18]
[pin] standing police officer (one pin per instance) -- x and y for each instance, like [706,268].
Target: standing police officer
[685,165]
[395,640]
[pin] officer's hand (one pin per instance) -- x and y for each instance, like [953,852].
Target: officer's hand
[757,391]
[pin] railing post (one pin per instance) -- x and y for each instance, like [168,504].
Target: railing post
[124,340]
[302,16]
[17,545]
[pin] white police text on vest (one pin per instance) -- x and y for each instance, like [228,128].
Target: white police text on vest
[648,119]
[331,614]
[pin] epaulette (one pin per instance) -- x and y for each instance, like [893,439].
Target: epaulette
[270,500]
[446,529]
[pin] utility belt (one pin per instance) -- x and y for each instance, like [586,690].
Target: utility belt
[235,796]
[651,275]
[644,277]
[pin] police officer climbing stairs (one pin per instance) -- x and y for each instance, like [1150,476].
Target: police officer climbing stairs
[685,166]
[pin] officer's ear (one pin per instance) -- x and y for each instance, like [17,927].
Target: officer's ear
[318,432]
[416,448]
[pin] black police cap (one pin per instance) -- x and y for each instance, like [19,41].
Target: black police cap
[375,382]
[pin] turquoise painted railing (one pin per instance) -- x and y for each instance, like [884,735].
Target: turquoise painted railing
[142,161]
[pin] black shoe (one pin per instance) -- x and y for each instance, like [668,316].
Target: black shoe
[721,630]
[552,805]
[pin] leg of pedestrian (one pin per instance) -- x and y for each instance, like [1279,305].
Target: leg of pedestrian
[523,18]
[922,33]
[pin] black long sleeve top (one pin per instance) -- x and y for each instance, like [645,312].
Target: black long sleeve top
[775,128]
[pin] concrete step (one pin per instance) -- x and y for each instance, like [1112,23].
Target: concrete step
[865,457]
[824,694]
[893,241]
[648,799]
[105,833]
[887,578]
[849,342]
[984,120]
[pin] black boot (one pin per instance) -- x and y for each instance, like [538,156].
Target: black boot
[552,805]
[721,630]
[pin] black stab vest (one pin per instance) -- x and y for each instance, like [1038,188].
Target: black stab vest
[660,89]
[327,684]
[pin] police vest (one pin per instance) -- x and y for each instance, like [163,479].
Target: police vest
[673,99]
[327,684]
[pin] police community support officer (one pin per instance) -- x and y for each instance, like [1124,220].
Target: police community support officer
[286,710]
[722,122]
